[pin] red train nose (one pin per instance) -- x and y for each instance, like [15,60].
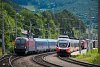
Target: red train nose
[57,49]
[68,50]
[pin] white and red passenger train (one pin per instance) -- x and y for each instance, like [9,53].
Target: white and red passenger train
[65,45]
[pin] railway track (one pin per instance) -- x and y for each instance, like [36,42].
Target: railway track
[7,60]
[72,60]
[40,60]
[4,61]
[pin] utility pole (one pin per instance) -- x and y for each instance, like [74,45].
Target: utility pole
[49,34]
[99,27]
[16,25]
[91,18]
[79,38]
[30,27]
[89,40]
[3,42]
[91,33]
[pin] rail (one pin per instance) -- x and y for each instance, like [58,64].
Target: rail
[74,61]
[7,60]
[40,60]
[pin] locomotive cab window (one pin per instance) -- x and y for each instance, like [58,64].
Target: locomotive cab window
[20,41]
[17,41]
[23,41]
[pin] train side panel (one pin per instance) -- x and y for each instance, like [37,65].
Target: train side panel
[52,44]
[31,45]
[41,44]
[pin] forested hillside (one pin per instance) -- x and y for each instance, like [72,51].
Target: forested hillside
[44,24]
[81,8]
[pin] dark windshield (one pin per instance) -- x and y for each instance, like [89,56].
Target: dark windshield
[20,41]
[63,45]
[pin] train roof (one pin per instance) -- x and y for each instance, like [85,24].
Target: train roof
[63,39]
[22,38]
[63,36]
[40,39]
[52,40]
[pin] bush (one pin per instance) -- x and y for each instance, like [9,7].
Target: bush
[91,57]
[10,48]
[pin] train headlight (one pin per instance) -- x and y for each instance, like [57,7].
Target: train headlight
[25,47]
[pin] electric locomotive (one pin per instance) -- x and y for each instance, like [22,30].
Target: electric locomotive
[23,45]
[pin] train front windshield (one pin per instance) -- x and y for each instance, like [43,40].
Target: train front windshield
[63,45]
[20,41]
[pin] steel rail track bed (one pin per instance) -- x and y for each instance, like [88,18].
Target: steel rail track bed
[6,60]
[13,58]
[72,60]
[40,60]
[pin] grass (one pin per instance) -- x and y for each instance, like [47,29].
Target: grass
[91,57]
[0,51]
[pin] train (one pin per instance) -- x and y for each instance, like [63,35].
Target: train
[24,45]
[66,46]
[62,45]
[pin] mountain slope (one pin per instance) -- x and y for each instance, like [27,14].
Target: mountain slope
[81,8]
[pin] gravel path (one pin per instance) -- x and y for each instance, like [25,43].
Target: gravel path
[77,52]
[54,59]
[26,62]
